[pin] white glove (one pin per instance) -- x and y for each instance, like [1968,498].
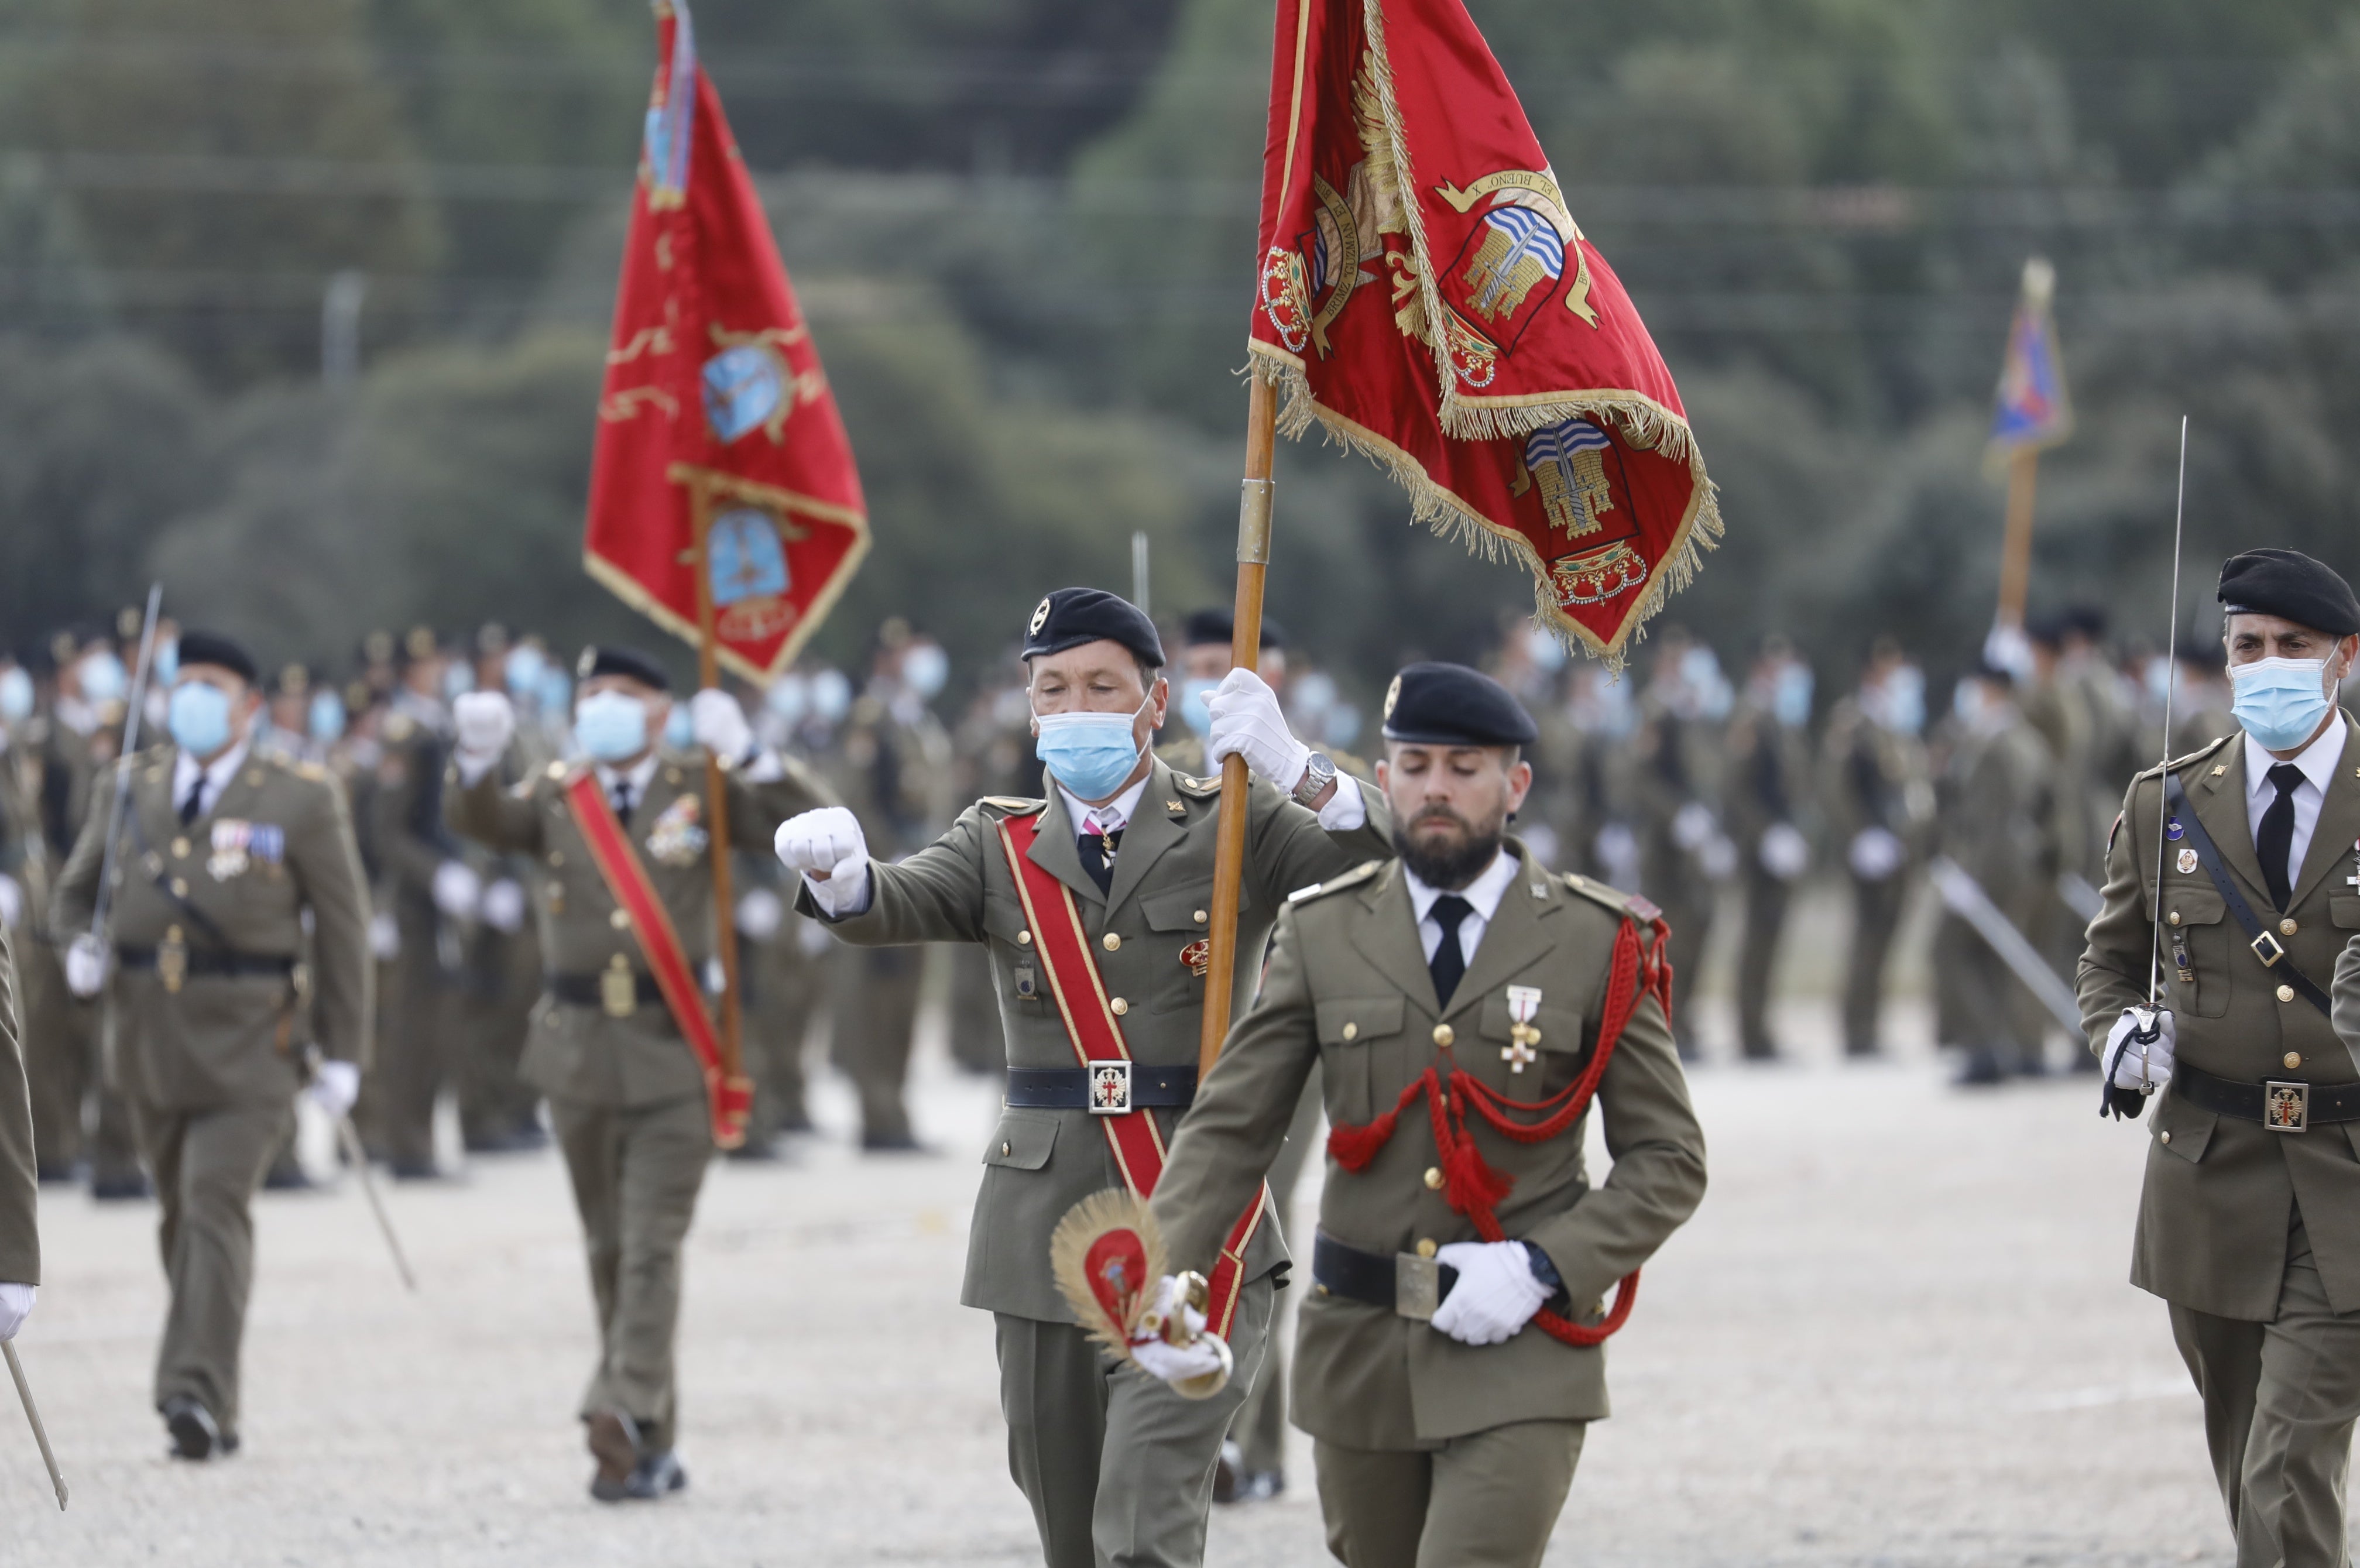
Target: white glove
[1693,827]
[12,901]
[485,721]
[1785,852]
[2134,1064]
[86,963]
[760,913]
[385,936]
[15,1306]
[1497,1292]
[1717,858]
[335,1086]
[504,904]
[1247,723]
[719,724]
[1203,1357]
[1875,853]
[457,890]
[823,847]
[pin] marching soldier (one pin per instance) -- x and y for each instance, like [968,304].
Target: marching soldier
[20,1231]
[995,749]
[1447,1366]
[1683,853]
[1769,791]
[1879,790]
[499,964]
[2250,1216]
[621,1043]
[1120,855]
[1998,822]
[225,853]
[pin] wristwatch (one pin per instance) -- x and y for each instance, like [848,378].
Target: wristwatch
[1318,774]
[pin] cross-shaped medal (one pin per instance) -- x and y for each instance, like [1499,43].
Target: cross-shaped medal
[1519,1052]
[2353,880]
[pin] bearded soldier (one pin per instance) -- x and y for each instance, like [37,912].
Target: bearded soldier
[226,853]
[2249,1217]
[1448,1362]
[620,1042]
[1120,856]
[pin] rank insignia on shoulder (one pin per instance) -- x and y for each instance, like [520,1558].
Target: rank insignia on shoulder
[1189,785]
[1015,805]
[1352,878]
[1643,909]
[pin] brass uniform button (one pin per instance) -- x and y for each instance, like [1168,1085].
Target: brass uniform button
[620,919]
[1442,1034]
[2175,916]
[1118,1007]
[1352,1032]
[2166,1138]
[1112,941]
[2292,1058]
[1425,1247]
[2286,993]
[1025,938]
[557,857]
[1003,1149]
[1200,916]
[1434,1178]
[179,849]
[179,889]
[2287,926]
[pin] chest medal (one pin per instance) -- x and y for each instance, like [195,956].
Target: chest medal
[677,837]
[1524,1001]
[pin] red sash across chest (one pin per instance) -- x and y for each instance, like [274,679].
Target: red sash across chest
[1095,1035]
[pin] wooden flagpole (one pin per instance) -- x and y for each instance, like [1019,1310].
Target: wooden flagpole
[716,808]
[2016,544]
[1245,653]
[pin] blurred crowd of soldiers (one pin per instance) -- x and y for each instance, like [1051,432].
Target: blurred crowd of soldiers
[1713,796]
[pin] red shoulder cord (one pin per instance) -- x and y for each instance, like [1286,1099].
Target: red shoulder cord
[1471,1185]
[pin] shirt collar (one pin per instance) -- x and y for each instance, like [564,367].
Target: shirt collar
[1484,892]
[638,778]
[218,772]
[2317,760]
[1114,816]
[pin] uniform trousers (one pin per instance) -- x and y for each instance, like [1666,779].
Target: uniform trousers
[207,1164]
[636,1171]
[1485,1501]
[1877,909]
[2280,1399]
[877,1012]
[414,1056]
[65,1071]
[503,983]
[1261,1427]
[1118,1467]
[1766,897]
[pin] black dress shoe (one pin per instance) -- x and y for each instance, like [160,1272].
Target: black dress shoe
[614,1440]
[1260,1486]
[120,1189]
[196,1433]
[656,1475]
[287,1178]
[1982,1070]
[416,1171]
[50,1175]
[892,1143]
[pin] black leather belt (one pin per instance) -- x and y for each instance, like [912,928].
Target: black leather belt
[1069,1088]
[1400,1282]
[2280,1106]
[214,964]
[589,990]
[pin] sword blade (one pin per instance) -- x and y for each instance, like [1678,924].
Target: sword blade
[33,1414]
[351,1138]
[1963,893]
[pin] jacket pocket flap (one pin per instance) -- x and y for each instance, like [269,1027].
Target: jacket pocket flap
[1190,909]
[1023,1141]
[2194,905]
[2184,1129]
[1349,1018]
[2344,909]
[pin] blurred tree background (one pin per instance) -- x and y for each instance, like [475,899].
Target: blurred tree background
[1023,232]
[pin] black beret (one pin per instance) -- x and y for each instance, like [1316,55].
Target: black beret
[2292,586]
[1449,705]
[212,647]
[1071,617]
[613,659]
[1219,625]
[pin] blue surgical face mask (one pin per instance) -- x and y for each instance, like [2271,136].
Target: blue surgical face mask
[521,670]
[458,679]
[167,659]
[326,717]
[556,690]
[789,698]
[1790,698]
[926,667]
[680,731]
[1196,705]
[831,696]
[1903,704]
[611,726]
[1091,753]
[102,679]
[16,695]
[199,718]
[1542,647]
[2279,700]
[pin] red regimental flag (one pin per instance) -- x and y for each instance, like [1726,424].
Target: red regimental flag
[1426,295]
[715,398]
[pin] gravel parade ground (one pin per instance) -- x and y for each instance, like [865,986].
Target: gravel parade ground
[1898,1332]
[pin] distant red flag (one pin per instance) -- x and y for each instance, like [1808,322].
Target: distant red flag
[1425,296]
[712,382]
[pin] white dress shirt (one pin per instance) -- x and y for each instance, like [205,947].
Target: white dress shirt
[642,774]
[2318,762]
[217,774]
[1484,893]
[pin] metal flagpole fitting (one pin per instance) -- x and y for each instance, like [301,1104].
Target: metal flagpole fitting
[33,1414]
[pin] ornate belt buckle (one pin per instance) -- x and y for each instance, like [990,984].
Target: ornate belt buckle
[1109,1088]
[2286,1107]
[1417,1286]
[618,988]
[172,961]
[2269,954]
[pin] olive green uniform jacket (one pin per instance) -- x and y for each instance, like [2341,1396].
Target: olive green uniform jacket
[20,1231]
[1040,1163]
[238,1039]
[2220,1191]
[581,1053]
[1347,987]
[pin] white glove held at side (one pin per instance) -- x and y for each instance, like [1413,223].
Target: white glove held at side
[760,912]
[458,891]
[1174,1363]
[1875,853]
[12,901]
[1786,854]
[86,966]
[333,1087]
[719,724]
[1247,723]
[385,936]
[504,904]
[1497,1292]
[2134,1063]
[15,1306]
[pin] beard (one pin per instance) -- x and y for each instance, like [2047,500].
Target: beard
[1449,863]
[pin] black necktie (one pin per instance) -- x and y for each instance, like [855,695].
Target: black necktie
[1448,965]
[1098,856]
[623,801]
[2274,843]
[192,800]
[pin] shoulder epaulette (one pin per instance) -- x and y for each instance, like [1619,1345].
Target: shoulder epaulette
[1352,878]
[2198,754]
[1203,788]
[1598,892]
[1014,805]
